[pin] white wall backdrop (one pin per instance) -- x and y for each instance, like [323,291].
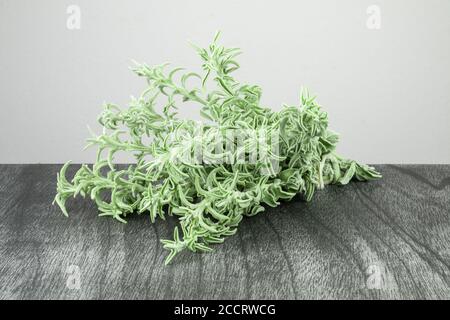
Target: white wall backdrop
[380,68]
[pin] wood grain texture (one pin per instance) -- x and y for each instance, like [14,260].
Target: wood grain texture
[388,239]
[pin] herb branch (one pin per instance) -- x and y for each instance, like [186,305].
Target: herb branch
[210,197]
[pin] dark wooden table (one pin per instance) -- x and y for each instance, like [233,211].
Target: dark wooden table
[384,239]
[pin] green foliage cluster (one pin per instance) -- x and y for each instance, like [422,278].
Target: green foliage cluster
[209,197]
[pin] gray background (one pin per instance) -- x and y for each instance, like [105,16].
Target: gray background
[386,90]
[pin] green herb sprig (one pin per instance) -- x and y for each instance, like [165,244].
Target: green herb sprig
[209,197]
